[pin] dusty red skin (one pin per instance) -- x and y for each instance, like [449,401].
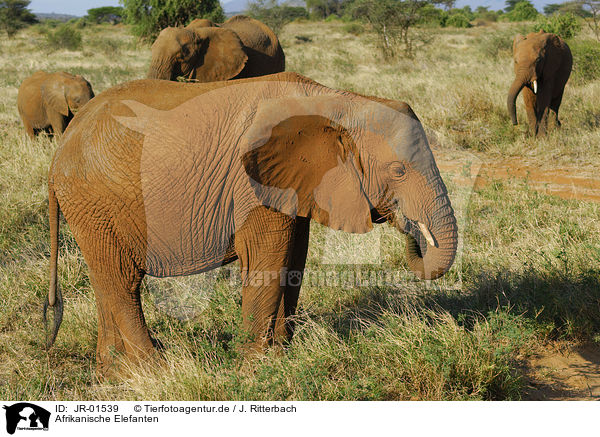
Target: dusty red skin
[167,179]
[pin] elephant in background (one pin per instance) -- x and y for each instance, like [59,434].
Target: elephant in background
[214,172]
[542,63]
[199,23]
[241,47]
[49,100]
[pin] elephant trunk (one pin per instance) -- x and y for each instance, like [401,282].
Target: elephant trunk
[160,69]
[511,100]
[433,254]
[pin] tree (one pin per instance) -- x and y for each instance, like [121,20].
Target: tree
[325,8]
[105,14]
[447,4]
[510,5]
[14,15]
[274,15]
[392,20]
[149,17]
[572,7]
[593,7]
[523,11]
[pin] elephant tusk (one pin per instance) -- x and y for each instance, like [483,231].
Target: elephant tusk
[427,234]
[535,87]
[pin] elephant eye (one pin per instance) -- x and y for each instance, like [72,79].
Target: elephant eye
[398,169]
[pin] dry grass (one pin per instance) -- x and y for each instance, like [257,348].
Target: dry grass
[529,266]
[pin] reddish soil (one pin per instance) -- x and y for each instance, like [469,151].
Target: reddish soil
[564,372]
[567,183]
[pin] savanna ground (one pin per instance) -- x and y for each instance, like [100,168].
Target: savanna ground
[528,272]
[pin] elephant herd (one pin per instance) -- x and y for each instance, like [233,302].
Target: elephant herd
[170,178]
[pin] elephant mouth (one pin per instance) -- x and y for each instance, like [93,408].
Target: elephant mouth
[418,230]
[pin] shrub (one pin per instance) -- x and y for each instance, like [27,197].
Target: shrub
[107,46]
[274,15]
[64,37]
[586,66]
[457,20]
[564,25]
[523,11]
[354,28]
[494,44]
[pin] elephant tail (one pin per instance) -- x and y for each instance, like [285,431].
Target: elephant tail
[54,298]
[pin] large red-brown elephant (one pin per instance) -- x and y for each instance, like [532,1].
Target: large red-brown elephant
[167,179]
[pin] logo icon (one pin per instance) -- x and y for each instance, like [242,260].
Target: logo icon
[26,416]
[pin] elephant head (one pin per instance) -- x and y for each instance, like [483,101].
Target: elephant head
[207,54]
[347,165]
[66,93]
[537,60]
[199,23]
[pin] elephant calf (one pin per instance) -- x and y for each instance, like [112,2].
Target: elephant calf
[542,63]
[49,100]
[168,179]
[204,52]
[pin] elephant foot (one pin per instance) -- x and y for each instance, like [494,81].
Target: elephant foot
[111,364]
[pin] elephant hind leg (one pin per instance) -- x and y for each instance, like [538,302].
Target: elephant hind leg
[554,105]
[122,329]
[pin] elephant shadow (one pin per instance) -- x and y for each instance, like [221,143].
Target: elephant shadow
[563,302]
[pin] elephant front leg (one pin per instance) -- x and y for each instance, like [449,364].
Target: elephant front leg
[284,328]
[58,123]
[530,106]
[264,245]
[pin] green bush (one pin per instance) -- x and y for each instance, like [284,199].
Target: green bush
[564,25]
[494,44]
[354,28]
[64,37]
[430,15]
[149,17]
[586,60]
[457,20]
[523,11]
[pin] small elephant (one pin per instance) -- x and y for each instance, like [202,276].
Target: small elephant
[542,63]
[241,47]
[168,179]
[49,100]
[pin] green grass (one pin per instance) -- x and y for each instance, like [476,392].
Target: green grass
[528,272]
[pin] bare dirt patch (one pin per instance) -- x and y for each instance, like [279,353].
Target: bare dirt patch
[564,182]
[564,372]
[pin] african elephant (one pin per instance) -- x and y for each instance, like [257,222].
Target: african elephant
[241,47]
[542,63]
[168,179]
[200,23]
[49,100]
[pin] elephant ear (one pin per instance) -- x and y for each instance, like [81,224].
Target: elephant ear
[53,94]
[303,163]
[517,40]
[224,56]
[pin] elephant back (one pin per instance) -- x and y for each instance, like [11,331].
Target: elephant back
[260,41]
